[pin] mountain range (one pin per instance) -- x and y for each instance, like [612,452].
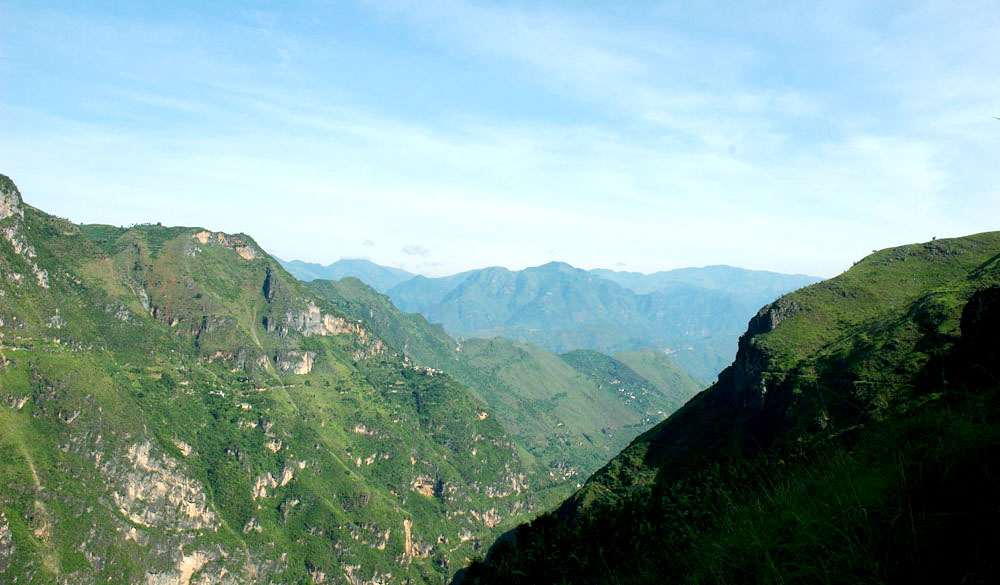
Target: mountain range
[176,408]
[695,314]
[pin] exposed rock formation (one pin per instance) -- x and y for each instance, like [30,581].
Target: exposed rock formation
[154,492]
[296,362]
[237,243]
[10,200]
[6,543]
[742,383]
[11,207]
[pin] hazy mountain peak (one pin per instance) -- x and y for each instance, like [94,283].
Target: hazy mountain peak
[379,277]
[555,266]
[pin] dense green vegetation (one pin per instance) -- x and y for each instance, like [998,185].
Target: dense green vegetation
[671,386]
[569,418]
[854,439]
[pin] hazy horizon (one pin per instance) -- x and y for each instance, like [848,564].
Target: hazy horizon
[519,268]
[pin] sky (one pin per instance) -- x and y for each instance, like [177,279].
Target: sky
[440,136]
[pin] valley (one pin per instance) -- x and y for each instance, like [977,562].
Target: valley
[481,292]
[176,408]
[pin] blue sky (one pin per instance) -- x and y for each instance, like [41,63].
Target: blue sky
[442,136]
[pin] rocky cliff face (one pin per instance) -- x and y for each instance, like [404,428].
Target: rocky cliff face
[12,229]
[10,200]
[744,383]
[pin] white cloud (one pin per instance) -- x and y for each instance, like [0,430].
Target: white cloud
[415,250]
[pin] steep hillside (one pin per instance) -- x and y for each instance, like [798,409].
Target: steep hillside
[381,278]
[175,408]
[854,439]
[571,420]
[663,373]
[673,386]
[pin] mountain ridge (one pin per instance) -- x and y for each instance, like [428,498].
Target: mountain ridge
[379,277]
[697,314]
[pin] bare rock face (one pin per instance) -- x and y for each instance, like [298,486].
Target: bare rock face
[743,383]
[296,362]
[239,244]
[10,200]
[187,565]
[6,543]
[313,321]
[154,492]
[11,206]
[425,485]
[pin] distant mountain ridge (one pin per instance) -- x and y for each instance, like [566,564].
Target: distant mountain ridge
[379,277]
[694,314]
[754,287]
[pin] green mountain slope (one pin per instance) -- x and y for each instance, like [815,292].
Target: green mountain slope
[854,439]
[176,408]
[563,417]
[661,372]
[634,389]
